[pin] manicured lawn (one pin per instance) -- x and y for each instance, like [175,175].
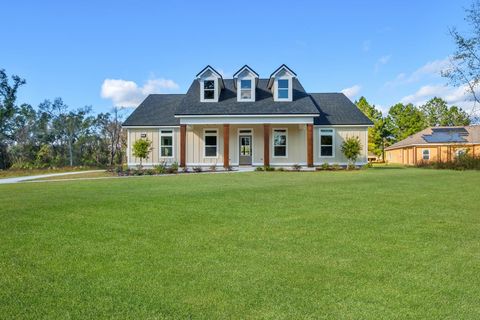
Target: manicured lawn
[375,244]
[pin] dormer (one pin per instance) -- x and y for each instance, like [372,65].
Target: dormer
[210,83]
[281,83]
[245,81]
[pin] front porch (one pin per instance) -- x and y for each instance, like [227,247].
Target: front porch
[243,144]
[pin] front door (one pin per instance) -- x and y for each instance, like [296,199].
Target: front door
[245,150]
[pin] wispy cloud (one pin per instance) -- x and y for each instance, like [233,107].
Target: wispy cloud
[352,91]
[458,96]
[127,93]
[381,62]
[430,69]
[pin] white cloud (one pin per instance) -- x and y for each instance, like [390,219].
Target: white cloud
[430,69]
[382,61]
[352,92]
[126,93]
[454,96]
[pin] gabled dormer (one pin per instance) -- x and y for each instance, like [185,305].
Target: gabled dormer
[210,83]
[281,83]
[245,81]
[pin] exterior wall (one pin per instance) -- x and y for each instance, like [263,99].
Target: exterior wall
[196,146]
[257,143]
[153,134]
[437,153]
[296,145]
[340,134]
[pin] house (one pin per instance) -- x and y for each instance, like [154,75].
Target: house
[435,144]
[246,120]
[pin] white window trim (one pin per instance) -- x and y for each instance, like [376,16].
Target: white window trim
[172,134]
[273,143]
[428,154]
[290,90]
[252,89]
[245,134]
[205,134]
[202,88]
[320,142]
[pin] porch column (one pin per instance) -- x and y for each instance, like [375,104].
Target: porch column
[226,145]
[310,145]
[266,145]
[183,139]
[415,155]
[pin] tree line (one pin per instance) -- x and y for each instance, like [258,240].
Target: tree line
[54,134]
[404,120]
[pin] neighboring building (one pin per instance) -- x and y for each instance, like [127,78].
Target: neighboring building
[435,144]
[246,120]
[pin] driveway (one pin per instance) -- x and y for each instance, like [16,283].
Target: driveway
[20,179]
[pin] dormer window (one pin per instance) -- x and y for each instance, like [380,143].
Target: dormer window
[209,89]
[210,84]
[283,89]
[245,82]
[246,89]
[281,83]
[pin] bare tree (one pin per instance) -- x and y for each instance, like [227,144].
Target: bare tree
[465,62]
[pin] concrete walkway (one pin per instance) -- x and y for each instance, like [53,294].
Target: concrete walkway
[20,179]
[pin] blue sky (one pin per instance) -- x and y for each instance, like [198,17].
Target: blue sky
[389,51]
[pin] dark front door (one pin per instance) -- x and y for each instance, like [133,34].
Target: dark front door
[245,150]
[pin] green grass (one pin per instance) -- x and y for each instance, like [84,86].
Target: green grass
[377,244]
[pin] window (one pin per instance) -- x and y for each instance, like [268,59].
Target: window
[460,152]
[426,154]
[326,143]
[280,143]
[283,89]
[245,89]
[210,138]
[209,89]
[166,143]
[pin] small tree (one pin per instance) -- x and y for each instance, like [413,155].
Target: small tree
[351,148]
[141,149]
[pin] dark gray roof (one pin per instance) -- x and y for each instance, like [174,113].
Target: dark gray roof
[337,109]
[264,104]
[160,109]
[156,110]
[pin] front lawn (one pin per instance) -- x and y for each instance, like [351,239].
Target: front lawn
[376,244]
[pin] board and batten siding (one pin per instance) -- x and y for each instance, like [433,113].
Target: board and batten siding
[405,155]
[296,144]
[152,134]
[340,135]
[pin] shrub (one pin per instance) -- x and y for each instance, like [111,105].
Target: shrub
[281,169]
[197,169]
[336,167]
[325,166]
[462,162]
[174,167]
[213,167]
[296,167]
[149,172]
[160,168]
[351,148]
[268,168]
[259,169]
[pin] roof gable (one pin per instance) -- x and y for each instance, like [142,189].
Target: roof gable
[210,69]
[245,67]
[283,69]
